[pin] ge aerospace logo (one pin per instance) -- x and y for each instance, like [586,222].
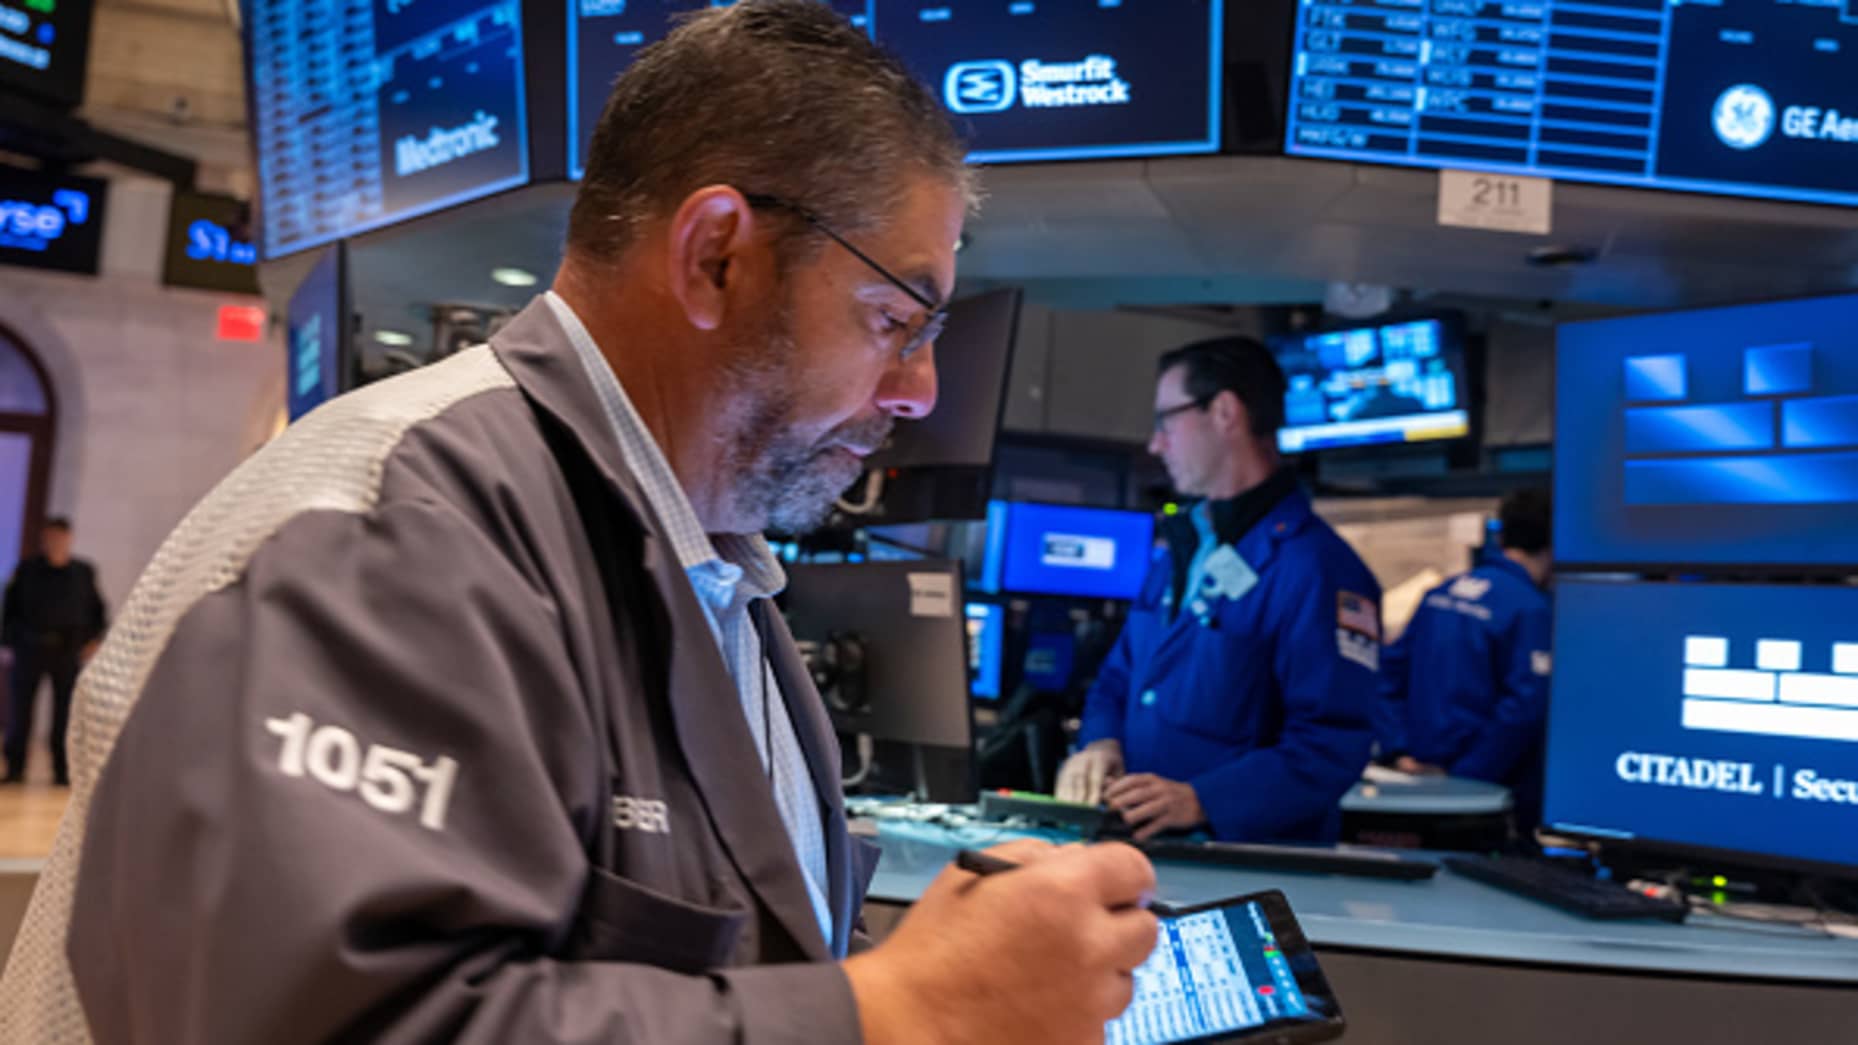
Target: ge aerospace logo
[1744,116]
[979,87]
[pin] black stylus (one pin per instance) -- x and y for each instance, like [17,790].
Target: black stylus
[982,864]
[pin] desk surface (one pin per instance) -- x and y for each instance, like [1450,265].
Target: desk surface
[1447,917]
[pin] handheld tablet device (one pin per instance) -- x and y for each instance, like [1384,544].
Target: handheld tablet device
[1236,970]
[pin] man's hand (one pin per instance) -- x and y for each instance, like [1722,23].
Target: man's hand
[1084,775]
[1409,764]
[1153,804]
[1039,955]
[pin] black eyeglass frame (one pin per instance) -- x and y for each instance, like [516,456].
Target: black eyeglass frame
[934,318]
[1163,415]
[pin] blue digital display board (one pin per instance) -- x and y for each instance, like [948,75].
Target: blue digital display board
[1025,80]
[1395,383]
[51,221]
[1066,79]
[1741,97]
[1049,549]
[1718,716]
[368,112]
[986,648]
[1724,436]
[316,321]
[604,36]
[210,244]
[45,48]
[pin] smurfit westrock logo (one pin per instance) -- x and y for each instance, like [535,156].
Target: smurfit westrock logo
[979,87]
[994,86]
[441,146]
[1743,116]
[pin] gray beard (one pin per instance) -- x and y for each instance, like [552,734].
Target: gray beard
[788,481]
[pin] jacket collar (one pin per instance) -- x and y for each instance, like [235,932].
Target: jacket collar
[713,736]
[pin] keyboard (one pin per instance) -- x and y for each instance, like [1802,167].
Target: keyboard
[1562,887]
[1367,863]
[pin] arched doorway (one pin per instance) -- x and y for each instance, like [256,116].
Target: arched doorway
[28,424]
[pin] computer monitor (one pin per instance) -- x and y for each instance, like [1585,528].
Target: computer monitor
[897,633]
[317,322]
[1712,437]
[971,358]
[1051,549]
[1399,382]
[986,648]
[1716,719]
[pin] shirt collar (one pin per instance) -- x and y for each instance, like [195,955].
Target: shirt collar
[729,558]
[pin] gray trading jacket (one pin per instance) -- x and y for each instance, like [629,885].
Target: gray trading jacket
[375,755]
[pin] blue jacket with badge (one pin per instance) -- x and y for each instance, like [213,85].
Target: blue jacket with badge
[1466,687]
[1262,698]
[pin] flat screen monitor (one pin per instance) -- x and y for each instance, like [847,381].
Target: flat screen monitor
[1718,717]
[971,360]
[1741,97]
[45,48]
[1066,79]
[367,113]
[316,322]
[1716,437]
[1050,549]
[986,648]
[908,620]
[1369,385]
[604,36]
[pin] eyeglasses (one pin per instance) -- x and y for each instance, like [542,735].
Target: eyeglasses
[1162,415]
[921,331]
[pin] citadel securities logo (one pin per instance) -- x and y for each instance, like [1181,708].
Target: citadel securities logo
[995,86]
[1744,117]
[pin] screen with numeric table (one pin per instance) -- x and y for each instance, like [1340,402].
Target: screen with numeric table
[1740,97]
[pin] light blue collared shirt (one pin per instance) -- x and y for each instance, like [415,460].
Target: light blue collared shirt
[727,572]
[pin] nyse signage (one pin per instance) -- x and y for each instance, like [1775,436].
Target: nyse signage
[51,221]
[210,245]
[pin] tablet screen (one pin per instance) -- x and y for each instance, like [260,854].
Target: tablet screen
[1213,973]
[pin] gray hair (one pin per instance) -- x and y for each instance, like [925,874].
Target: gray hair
[778,97]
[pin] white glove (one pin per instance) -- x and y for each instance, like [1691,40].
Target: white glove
[1084,775]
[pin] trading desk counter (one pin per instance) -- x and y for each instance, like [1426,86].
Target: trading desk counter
[1450,960]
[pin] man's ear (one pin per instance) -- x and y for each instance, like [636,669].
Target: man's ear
[708,235]
[1229,413]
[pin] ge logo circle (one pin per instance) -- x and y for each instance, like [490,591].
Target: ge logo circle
[1744,116]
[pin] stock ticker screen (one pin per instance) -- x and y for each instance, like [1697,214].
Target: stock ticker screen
[45,48]
[1739,97]
[1024,80]
[368,112]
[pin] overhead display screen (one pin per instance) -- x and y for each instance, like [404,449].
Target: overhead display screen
[51,221]
[44,47]
[369,112]
[1395,383]
[1066,79]
[1740,97]
[1024,79]
[1716,437]
[604,36]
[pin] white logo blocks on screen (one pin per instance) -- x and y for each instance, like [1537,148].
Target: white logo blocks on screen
[1777,697]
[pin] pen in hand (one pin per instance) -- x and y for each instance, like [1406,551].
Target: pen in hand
[975,862]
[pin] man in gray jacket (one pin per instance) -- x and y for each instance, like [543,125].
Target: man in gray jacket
[459,713]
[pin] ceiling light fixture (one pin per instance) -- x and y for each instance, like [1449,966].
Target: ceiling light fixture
[513,277]
[393,338]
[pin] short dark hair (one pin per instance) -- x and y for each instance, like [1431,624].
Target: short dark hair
[1240,365]
[777,97]
[1527,519]
[58,522]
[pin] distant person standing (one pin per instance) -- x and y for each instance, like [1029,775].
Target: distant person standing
[54,619]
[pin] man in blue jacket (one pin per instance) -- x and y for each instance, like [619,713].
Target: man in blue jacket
[1239,697]
[1466,687]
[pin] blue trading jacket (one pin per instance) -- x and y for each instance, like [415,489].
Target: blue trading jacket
[1466,687]
[1260,690]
